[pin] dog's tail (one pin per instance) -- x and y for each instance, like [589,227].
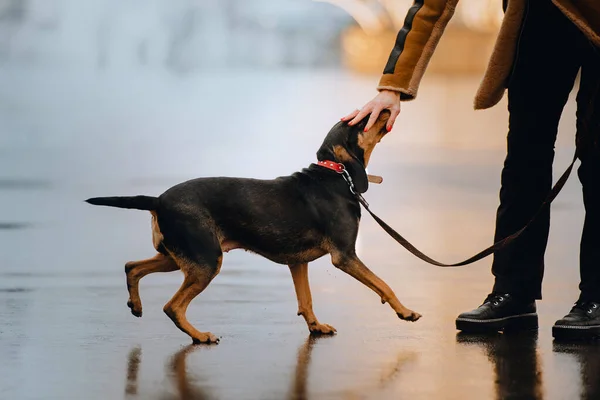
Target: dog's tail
[133,202]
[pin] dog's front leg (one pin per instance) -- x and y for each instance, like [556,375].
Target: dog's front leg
[300,277]
[352,265]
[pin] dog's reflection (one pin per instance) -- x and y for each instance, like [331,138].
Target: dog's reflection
[299,387]
[190,388]
[299,384]
[587,355]
[133,367]
[176,366]
[515,361]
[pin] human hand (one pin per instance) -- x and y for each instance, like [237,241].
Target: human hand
[385,100]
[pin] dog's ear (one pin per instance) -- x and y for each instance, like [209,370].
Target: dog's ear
[340,146]
[359,176]
[354,166]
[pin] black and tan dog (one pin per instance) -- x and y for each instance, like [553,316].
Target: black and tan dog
[290,220]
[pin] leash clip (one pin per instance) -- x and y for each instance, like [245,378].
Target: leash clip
[347,178]
[350,183]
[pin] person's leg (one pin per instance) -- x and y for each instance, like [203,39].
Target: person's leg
[537,92]
[588,143]
[583,321]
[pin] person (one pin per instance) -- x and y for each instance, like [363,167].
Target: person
[540,49]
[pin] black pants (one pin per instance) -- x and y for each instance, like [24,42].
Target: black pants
[550,53]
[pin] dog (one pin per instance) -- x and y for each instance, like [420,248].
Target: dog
[290,220]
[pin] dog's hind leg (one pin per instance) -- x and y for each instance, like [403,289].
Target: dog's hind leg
[302,287]
[197,277]
[353,266]
[136,270]
[198,254]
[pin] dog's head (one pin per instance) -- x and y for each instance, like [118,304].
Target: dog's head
[351,146]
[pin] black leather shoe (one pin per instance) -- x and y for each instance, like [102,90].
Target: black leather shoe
[499,312]
[583,322]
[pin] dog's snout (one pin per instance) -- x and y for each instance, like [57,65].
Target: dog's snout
[382,119]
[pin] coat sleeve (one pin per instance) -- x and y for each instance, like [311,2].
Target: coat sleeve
[423,26]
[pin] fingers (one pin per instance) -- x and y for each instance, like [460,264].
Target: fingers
[373,117]
[385,100]
[351,115]
[394,113]
[363,113]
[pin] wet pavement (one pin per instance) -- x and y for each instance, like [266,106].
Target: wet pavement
[66,332]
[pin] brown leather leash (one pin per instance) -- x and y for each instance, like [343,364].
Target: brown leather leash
[586,131]
[482,254]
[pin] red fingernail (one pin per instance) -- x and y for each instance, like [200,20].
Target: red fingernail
[389,128]
[365,130]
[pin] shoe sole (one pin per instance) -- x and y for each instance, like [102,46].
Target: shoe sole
[573,332]
[514,323]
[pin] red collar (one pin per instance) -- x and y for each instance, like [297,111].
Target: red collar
[337,167]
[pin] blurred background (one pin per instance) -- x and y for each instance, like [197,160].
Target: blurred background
[107,97]
[187,37]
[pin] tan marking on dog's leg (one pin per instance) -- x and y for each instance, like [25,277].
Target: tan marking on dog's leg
[302,287]
[196,280]
[354,267]
[136,270]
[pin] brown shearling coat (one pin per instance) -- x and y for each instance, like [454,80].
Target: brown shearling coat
[425,23]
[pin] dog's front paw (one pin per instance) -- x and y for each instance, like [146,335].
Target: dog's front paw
[410,316]
[321,329]
[135,307]
[205,338]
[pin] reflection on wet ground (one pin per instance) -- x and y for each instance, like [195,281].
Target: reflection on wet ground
[587,357]
[514,359]
[65,329]
[185,385]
